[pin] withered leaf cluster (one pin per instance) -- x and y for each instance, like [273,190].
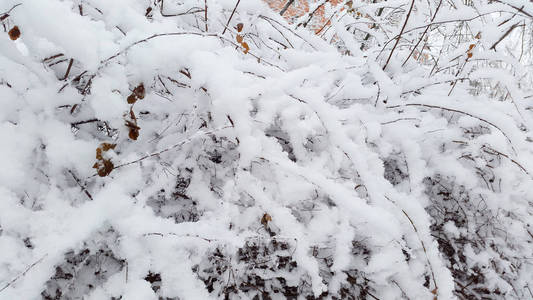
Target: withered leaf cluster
[103,165]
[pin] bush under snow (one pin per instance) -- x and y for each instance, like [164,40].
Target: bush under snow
[150,152]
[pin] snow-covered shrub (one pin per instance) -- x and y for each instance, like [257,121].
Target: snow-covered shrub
[209,149]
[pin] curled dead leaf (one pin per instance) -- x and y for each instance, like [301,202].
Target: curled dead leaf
[132,99]
[107,146]
[99,153]
[469,54]
[434,292]
[133,134]
[139,91]
[246,47]
[265,219]
[132,126]
[133,130]
[104,168]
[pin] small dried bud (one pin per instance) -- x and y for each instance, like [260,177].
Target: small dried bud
[14,33]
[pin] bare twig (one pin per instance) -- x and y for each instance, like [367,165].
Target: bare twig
[103,63]
[205,16]
[83,122]
[460,112]
[52,57]
[179,144]
[68,69]
[23,273]
[78,181]
[284,9]
[178,235]
[311,14]
[152,37]
[268,19]
[425,251]
[491,150]
[231,16]
[423,34]
[6,14]
[515,7]
[192,10]
[493,47]
[400,35]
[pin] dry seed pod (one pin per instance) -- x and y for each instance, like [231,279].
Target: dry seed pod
[139,91]
[132,99]
[14,33]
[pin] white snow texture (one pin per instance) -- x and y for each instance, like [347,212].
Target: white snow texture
[213,149]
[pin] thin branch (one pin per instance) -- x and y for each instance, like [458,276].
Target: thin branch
[311,14]
[488,150]
[6,14]
[78,181]
[183,142]
[68,69]
[425,251]
[284,9]
[205,16]
[493,47]
[423,34]
[400,35]
[83,122]
[515,7]
[192,10]
[153,37]
[231,16]
[460,112]
[23,273]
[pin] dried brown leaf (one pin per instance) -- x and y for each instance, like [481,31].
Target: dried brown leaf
[133,134]
[139,91]
[265,219]
[132,98]
[99,153]
[107,146]
[14,33]
[246,47]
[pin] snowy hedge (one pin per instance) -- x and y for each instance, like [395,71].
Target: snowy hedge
[210,149]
